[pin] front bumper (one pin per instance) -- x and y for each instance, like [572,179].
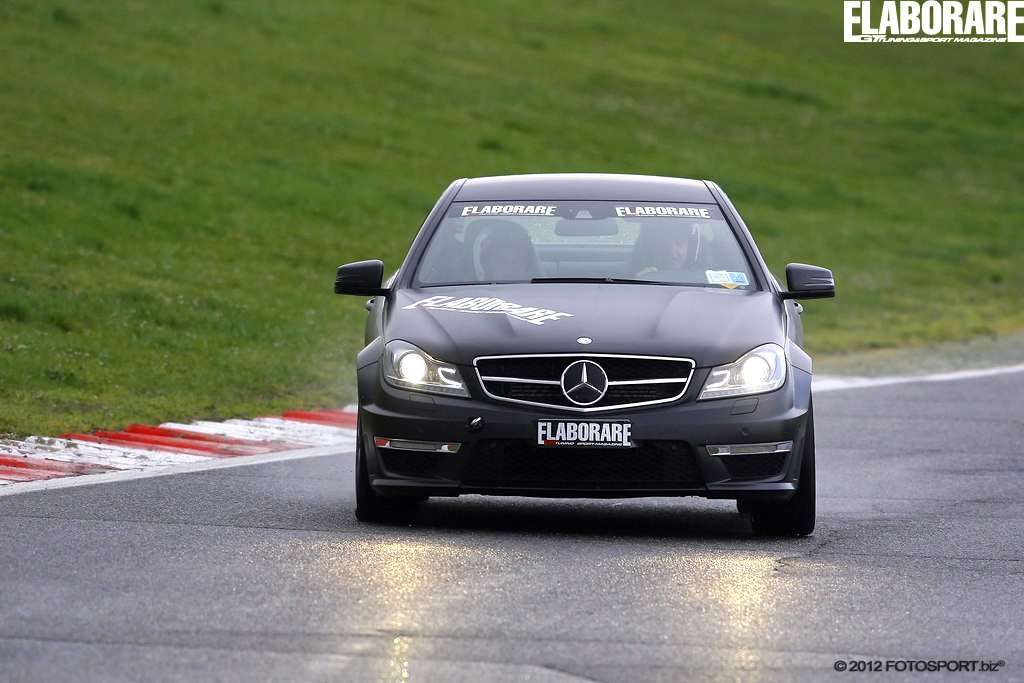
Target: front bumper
[499,457]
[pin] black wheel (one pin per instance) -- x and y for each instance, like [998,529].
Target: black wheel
[795,517]
[370,505]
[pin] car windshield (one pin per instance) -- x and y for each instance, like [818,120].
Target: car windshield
[599,241]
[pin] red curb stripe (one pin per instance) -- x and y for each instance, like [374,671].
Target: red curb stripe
[126,440]
[267,446]
[183,444]
[55,466]
[28,473]
[333,418]
[18,469]
[16,474]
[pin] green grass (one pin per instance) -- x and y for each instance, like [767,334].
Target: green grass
[178,180]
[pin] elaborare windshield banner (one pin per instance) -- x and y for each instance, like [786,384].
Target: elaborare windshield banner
[509,210]
[666,211]
[582,210]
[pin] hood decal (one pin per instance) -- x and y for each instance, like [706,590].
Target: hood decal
[489,304]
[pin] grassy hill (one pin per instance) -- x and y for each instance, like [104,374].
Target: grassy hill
[178,180]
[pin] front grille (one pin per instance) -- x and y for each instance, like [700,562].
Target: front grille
[411,463]
[550,394]
[617,367]
[652,465]
[536,380]
[754,466]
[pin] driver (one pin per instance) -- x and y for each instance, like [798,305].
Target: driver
[505,254]
[669,250]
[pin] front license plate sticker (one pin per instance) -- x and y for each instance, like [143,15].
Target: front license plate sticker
[584,433]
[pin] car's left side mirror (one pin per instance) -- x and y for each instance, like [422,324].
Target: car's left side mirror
[809,282]
[362,278]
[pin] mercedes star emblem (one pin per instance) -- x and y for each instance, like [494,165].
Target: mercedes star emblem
[584,382]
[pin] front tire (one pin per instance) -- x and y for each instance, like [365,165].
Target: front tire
[370,505]
[796,516]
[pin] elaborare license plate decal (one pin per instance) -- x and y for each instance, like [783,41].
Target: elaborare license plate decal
[617,434]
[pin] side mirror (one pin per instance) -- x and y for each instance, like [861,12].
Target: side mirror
[809,282]
[361,278]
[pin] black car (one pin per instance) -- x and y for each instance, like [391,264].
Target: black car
[586,335]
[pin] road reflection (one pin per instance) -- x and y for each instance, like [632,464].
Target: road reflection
[407,588]
[486,576]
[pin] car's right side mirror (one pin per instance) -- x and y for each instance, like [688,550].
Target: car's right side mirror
[809,282]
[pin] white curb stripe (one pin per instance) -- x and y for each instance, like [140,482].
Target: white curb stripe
[236,431]
[313,429]
[270,429]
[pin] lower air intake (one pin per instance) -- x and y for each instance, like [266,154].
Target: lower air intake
[653,465]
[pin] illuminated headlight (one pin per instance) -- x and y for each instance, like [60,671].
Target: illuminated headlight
[409,367]
[758,371]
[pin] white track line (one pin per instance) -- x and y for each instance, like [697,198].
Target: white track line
[831,383]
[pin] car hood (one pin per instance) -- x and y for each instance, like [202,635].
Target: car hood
[712,326]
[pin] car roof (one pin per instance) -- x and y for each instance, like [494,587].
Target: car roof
[585,186]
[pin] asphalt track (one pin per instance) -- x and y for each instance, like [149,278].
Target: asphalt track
[260,572]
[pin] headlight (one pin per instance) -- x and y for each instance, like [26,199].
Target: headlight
[758,371]
[409,367]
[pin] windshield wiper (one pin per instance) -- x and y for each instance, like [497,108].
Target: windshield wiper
[612,280]
[472,282]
